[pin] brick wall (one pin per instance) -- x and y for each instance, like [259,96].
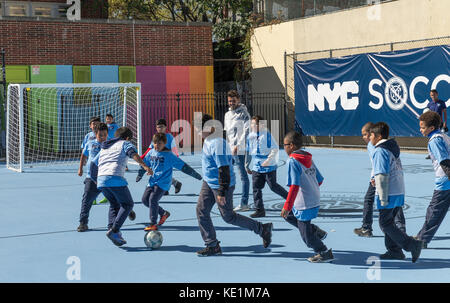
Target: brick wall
[28,41]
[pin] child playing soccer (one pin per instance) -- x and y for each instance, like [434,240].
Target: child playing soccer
[303,201]
[439,151]
[162,161]
[108,170]
[112,126]
[390,194]
[218,187]
[91,134]
[261,146]
[91,149]
[366,229]
[161,127]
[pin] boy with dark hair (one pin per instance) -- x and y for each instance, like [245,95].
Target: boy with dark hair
[390,194]
[91,134]
[303,201]
[90,150]
[161,128]
[112,126]
[218,187]
[263,149]
[162,161]
[108,170]
[439,150]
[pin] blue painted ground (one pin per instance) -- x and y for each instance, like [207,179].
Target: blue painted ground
[40,210]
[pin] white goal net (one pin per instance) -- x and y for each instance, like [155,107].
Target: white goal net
[46,123]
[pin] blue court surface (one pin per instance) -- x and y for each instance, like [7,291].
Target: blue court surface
[40,211]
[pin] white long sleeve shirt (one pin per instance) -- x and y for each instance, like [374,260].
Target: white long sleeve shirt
[237,127]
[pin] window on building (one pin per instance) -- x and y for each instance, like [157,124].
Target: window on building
[33,9]
[16,9]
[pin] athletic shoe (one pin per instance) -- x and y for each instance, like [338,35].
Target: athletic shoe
[363,232]
[428,157]
[83,227]
[164,218]
[104,200]
[178,187]
[322,257]
[166,193]
[151,227]
[415,249]
[321,234]
[132,215]
[241,208]
[267,234]
[258,214]
[210,251]
[116,238]
[392,255]
[424,244]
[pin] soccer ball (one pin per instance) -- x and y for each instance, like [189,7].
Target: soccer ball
[153,239]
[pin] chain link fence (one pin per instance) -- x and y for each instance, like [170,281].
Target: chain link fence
[290,59]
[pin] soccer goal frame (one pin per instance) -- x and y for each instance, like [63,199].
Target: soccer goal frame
[46,123]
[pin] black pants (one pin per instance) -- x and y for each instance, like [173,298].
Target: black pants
[436,212]
[308,233]
[259,181]
[90,194]
[395,239]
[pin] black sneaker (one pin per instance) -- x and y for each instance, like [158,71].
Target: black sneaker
[392,255]
[363,232]
[321,234]
[210,251]
[428,157]
[83,227]
[132,215]
[415,249]
[267,234]
[322,257]
[258,214]
[178,187]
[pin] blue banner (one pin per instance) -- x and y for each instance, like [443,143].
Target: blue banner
[337,96]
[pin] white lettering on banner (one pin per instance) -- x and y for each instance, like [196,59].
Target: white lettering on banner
[74,11]
[395,95]
[316,98]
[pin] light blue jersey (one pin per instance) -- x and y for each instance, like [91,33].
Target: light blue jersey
[112,161]
[386,160]
[89,136]
[216,153]
[259,146]
[162,164]
[112,130]
[439,149]
[91,150]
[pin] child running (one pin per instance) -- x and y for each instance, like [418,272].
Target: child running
[108,170]
[439,151]
[390,194]
[303,201]
[162,161]
[262,147]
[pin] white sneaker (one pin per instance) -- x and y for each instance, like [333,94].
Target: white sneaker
[242,208]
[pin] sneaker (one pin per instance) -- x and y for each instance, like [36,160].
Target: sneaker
[267,234]
[116,238]
[392,255]
[363,232]
[83,227]
[178,187]
[164,218]
[428,157]
[132,215]
[166,193]
[104,200]
[151,227]
[321,234]
[322,257]
[424,244]
[210,251]
[258,214]
[241,208]
[415,249]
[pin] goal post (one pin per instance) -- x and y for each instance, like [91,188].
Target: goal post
[46,123]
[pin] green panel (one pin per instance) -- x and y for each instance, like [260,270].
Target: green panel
[43,73]
[81,74]
[17,74]
[127,74]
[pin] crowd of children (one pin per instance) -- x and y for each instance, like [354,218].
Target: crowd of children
[107,147]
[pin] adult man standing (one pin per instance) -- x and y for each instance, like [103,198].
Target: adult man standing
[237,127]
